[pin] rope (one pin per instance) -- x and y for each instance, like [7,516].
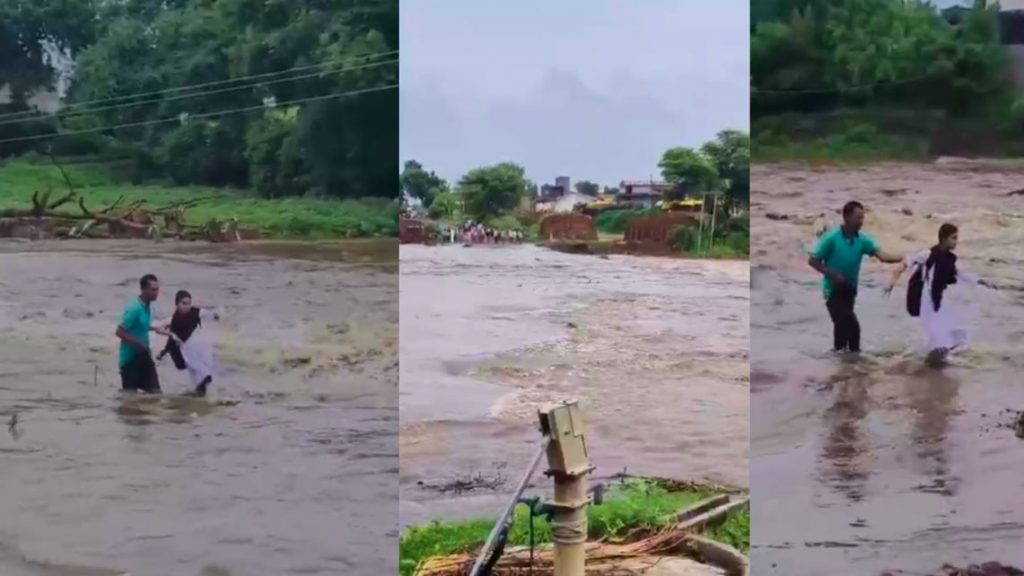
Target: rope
[570,532]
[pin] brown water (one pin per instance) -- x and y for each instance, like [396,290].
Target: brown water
[654,349]
[290,467]
[880,463]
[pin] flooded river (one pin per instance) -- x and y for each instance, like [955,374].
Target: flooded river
[654,349]
[880,463]
[289,467]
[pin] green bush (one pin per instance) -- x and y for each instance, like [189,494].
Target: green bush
[616,221]
[202,153]
[731,239]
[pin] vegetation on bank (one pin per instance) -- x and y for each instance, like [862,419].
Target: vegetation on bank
[822,91]
[285,218]
[493,193]
[634,506]
[730,240]
[285,98]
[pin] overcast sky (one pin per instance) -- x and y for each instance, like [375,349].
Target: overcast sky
[591,89]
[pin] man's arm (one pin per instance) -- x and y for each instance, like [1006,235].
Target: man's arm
[817,261]
[130,316]
[888,258]
[125,336]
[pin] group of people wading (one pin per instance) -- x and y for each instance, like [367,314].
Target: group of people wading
[474,233]
[933,274]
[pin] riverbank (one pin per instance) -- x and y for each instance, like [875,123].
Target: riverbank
[286,218]
[865,136]
[620,247]
[633,510]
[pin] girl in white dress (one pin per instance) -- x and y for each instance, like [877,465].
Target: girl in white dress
[933,272]
[188,345]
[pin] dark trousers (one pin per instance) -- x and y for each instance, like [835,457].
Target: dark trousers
[845,327]
[140,375]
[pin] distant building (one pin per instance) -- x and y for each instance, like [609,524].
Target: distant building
[561,187]
[643,193]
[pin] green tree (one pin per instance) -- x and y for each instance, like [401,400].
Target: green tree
[345,146]
[493,191]
[730,152]
[689,169]
[30,32]
[445,205]
[808,56]
[588,188]
[420,184]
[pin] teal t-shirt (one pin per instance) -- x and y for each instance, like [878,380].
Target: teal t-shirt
[844,255]
[136,320]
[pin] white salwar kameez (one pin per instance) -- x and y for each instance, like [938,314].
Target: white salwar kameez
[943,327]
[198,351]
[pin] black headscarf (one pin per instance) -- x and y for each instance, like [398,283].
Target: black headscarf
[183,325]
[941,265]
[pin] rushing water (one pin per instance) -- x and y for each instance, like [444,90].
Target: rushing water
[290,467]
[654,349]
[862,465]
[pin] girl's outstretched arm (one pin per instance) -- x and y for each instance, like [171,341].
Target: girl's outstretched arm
[205,313]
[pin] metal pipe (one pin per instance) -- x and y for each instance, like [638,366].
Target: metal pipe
[503,520]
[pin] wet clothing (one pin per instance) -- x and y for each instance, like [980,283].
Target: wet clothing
[137,320]
[939,313]
[845,326]
[195,351]
[139,374]
[844,254]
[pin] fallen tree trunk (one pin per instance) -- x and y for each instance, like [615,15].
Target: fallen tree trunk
[135,220]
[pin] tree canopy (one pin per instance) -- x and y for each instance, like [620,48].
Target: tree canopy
[420,184]
[339,52]
[493,191]
[809,55]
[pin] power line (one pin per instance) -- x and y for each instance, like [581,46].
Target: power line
[200,116]
[197,94]
[208,84]
[854,88]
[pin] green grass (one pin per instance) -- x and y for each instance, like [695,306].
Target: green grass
[636,505]
[291,218]
[735,531]
[846,136]
[731,240]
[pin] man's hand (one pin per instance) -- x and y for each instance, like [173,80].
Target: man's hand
[162,331]
[836,277]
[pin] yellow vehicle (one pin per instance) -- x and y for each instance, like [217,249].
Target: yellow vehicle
[600,205]
[688,205]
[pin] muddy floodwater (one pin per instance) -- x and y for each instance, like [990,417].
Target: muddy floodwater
[655,350]
[861,465]
[289,467]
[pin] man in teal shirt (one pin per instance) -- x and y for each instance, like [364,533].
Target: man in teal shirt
[138,371]
[838,258]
